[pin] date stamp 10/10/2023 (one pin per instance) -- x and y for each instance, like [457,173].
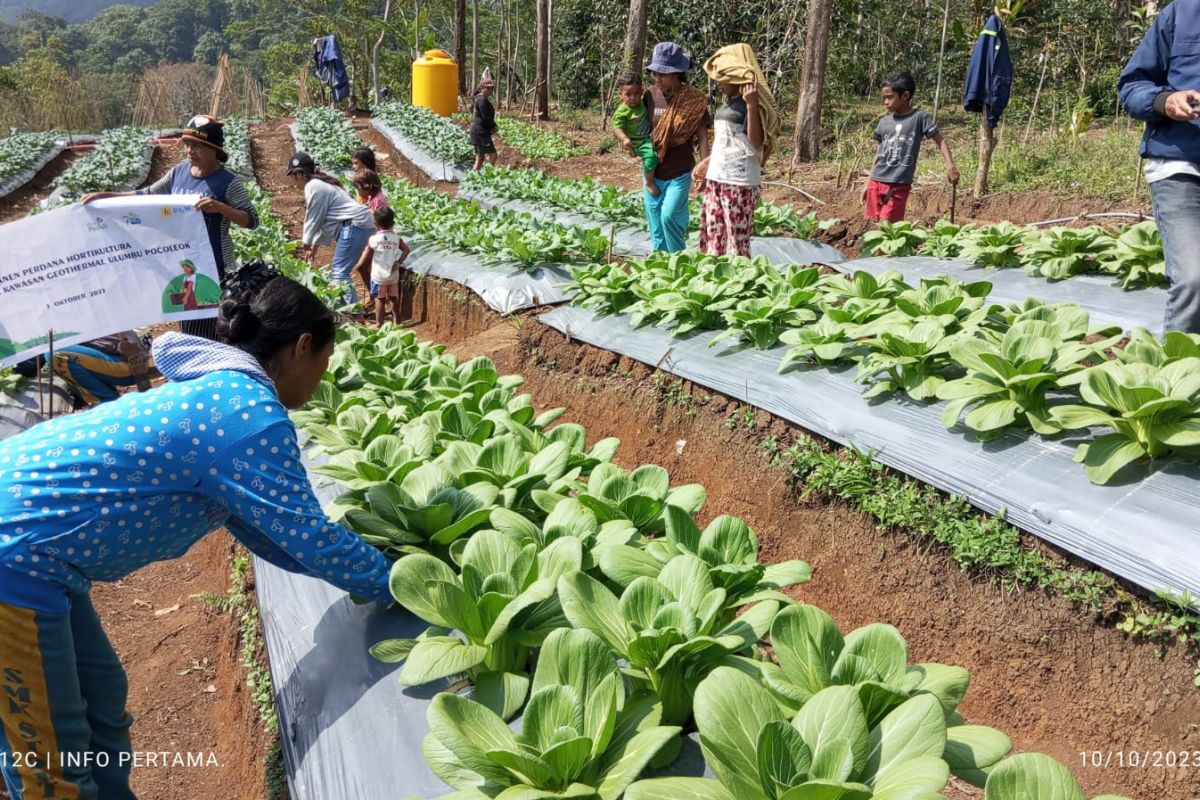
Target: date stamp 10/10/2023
[1140,759]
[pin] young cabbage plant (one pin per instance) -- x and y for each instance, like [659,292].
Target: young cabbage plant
[580,736]
[1007,381]
[826,341]
[994,246]
[828,750]
[945,239]
[1137,257]
[1035,776]
[1060,253]
[502,605]
[727,545]
[666,629]
[639,497]
[873,661]
[566,517]
[1146,348]
[913,358]
[893,239]
[954,306]
[1152,412]
[863,285]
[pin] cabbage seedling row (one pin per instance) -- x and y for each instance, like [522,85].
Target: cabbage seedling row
[612,204]
[495,235]
[588,598]
[326,135]
[1132,253]
[437,136]
[119,161]
[535,142]
[269,241]
[21,152]
[1026,365]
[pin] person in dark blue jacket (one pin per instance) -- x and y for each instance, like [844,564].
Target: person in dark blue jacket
[989,77]
[96,495]
[1161,86]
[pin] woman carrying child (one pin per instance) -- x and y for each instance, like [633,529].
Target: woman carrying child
[679,123]
[747,128]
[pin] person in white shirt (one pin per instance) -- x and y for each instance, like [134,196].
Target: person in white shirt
[385,254]
[331,216]
[746,127]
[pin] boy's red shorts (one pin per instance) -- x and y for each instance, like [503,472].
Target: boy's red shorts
[887,201]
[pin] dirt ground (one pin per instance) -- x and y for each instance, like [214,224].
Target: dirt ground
[19,203]
[1042,671]
[1048,675]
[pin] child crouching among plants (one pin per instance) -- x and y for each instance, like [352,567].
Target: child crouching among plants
[631,124]
[386,253]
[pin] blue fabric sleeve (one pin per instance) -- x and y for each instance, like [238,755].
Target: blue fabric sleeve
[1145,76]
[262,482]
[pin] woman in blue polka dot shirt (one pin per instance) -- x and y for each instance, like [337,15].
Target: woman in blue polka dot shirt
[96,495]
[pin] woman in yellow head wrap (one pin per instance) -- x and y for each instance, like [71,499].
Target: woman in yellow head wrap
[747,128]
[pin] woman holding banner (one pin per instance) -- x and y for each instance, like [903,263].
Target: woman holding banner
[90,497]
[224,200]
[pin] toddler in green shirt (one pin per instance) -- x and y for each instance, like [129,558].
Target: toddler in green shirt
[631,123]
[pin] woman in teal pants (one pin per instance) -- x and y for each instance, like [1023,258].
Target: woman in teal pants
[680,123]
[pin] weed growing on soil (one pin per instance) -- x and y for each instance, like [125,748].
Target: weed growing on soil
[238,603]
[982,544]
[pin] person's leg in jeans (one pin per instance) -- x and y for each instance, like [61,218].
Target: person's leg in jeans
[653,204]
[674,214]
[1177,212]
[105,688]
[47,711]
[351,241]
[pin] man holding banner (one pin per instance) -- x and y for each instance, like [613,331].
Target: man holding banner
[223,197]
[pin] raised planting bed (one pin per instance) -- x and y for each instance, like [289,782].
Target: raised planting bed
[520,538]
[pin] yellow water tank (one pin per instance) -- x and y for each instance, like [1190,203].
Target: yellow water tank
[435,82]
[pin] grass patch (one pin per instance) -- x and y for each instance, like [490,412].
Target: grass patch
[982,544]
[1102,163]
[239,604]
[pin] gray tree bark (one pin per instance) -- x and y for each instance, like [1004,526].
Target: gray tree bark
[806,143]
[541,91]
[460,44]
[635,36]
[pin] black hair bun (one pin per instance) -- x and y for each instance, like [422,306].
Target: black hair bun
[239,322]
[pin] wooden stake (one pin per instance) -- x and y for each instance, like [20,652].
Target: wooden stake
[50,369]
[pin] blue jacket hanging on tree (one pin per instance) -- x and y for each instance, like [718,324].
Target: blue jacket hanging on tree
[989,79]
[329,67]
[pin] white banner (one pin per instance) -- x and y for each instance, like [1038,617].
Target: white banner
[89,271]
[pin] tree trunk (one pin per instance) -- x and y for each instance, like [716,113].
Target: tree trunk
[460,44]
[549,53]
[635,36]
[806,144]
[501,52]
[387,12]
[937,93]
[416,29]
[987,143]
[541,82]
[474,44]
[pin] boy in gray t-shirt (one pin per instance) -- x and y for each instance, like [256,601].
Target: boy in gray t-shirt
[900,134]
